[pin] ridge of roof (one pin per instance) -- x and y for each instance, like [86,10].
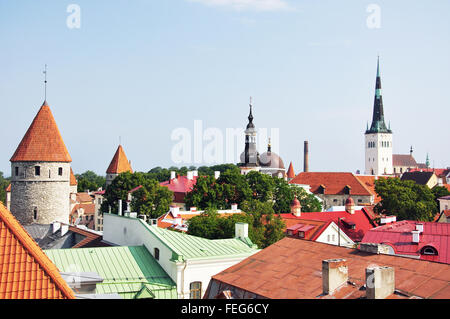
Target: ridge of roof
[43,141]
[33,250]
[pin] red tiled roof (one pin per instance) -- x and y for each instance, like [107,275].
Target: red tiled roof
[403,160]
[119,163]
[42,142]
[290,172]
[84,198]
[292,269]
[73,179]
[318,226]
[361,221]
[25,270]
[89,209]
[399,236]
[447,186]
[8,189]
[181,184]
[334,183]
[369,183]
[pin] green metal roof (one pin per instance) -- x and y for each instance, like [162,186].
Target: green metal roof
[131,272]
[186,246]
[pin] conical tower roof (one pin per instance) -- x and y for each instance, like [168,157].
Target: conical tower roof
[119,163]
[290,172]
[42,142]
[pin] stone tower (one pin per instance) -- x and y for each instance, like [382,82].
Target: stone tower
[40,173]
[118,165]
[378,137]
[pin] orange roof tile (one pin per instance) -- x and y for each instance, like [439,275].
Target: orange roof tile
[42,142]
[290,172]
[334,182]
[25,270]
[119,163]
[73,179]
[8,189]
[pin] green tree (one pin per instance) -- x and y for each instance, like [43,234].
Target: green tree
[152,199]
[90,181]
[206,193]
[4,182]
[284,193]
[262,185]
[405,199]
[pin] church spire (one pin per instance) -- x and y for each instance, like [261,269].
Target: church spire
[378,123]
[250,116]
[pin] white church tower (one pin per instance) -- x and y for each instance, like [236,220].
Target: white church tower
[378,138]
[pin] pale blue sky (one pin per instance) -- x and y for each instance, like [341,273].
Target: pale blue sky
[139,69]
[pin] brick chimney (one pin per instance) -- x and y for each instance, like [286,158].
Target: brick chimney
[306,157]
[380,282]
[334,274]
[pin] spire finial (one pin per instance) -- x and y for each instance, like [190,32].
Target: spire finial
[250,116]
[269,146]
[45,83]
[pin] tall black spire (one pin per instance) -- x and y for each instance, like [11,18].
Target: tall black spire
[250,116]
[378,124]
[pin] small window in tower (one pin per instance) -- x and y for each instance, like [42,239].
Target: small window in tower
[16,171]
[35,212]
[37,170]
[60,171]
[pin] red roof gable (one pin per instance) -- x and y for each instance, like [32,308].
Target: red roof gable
[334,183]
[361,221]
[119,164]
[399,236]
[8,189]
[42,142]
[25,270]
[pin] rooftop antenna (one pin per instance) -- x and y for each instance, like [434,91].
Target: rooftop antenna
[45,83]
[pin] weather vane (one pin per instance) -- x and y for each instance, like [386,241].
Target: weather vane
[45,83]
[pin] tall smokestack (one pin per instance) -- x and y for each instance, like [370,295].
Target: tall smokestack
[306,157]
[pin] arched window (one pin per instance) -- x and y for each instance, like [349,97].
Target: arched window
[196,290]
[428,250]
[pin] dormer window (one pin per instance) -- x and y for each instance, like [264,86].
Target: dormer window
[321,189]
[430,251]
[37,171]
